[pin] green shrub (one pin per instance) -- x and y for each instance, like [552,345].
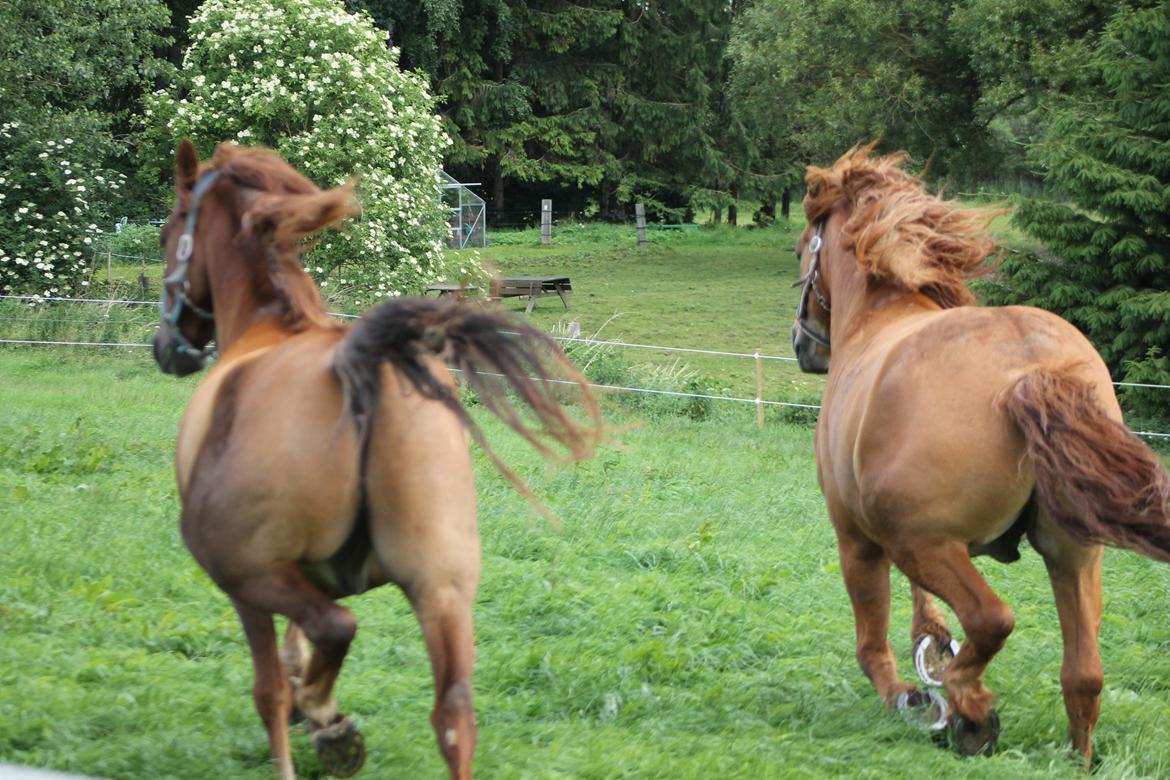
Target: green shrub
[321,87]
[50,195]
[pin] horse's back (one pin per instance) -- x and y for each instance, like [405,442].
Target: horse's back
[922,425]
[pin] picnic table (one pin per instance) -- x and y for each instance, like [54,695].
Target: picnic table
[531,287]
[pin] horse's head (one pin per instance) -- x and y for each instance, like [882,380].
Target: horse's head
[187,323]
[873,228]
[237,231]
[810,331]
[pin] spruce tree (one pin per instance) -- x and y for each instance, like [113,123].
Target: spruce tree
[1107,158]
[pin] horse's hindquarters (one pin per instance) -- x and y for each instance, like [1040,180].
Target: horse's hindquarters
[420,489]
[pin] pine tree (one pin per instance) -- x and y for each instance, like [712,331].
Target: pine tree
[670,57]
[1107,155]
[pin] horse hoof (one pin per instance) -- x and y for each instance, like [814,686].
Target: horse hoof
[931,659]
[975,739]
[926,710]
[340,747]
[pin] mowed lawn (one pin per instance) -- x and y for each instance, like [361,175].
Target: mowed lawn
[687,619]
[724,290]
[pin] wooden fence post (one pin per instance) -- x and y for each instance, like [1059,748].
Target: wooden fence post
[640,219]
[546,221]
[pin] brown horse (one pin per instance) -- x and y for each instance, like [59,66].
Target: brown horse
[319,460]
[949,430]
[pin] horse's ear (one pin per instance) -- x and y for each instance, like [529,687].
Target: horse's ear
[186,165]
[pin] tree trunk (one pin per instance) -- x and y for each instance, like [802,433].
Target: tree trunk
[497,187]
[717,215]
[785,202]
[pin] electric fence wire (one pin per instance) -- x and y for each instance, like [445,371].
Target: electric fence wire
[591,342]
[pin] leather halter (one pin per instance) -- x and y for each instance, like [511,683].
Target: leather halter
[809,280]
[171,310]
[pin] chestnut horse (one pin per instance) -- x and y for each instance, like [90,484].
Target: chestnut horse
[949,430]
[319,460]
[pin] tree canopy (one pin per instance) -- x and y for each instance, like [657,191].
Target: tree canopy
[1106,157]
[71,75]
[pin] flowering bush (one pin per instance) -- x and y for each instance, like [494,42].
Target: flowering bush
[321,87]
[51,196]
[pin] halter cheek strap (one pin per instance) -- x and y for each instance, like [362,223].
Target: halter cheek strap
[172,310]
[810,285]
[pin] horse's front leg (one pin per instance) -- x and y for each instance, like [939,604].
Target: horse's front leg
[294,657]
[946,570]
[270,688]
[866,571]
[281,587]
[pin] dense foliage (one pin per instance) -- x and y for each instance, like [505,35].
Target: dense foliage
[960,83]
[1107,157]
[321,86]
[70,77]
[595,104]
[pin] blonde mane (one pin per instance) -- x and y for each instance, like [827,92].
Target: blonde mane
[900,233]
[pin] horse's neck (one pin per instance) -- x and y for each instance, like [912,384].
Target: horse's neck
[862,310]
[240,301]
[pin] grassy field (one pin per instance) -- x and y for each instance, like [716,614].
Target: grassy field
[687,620]
[726,290]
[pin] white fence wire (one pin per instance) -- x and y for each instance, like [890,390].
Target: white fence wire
[590,342]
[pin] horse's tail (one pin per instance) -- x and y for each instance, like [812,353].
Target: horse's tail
[1096,479]
[494,353]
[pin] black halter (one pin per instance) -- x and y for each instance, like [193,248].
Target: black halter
[172,310]
[809,280]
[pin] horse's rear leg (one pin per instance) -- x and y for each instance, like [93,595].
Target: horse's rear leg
[331,628]
[866,571]
[444,612]
[933,646]
[946,570]
[270,689]
[1075,571]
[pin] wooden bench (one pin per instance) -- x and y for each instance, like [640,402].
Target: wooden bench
[531,287]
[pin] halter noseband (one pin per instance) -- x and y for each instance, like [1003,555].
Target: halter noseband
[170,310]
[809,281]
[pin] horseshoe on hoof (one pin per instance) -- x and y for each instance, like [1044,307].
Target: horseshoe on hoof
[340,747]
[975,739]
[931,659]
[926,710]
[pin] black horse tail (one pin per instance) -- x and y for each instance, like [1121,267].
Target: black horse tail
[1096,479]
[494,354]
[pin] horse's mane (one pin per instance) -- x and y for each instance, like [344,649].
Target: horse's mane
[288,209]
[900,233]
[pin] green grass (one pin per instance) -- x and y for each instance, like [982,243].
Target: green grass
[720,289]
[687,620]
